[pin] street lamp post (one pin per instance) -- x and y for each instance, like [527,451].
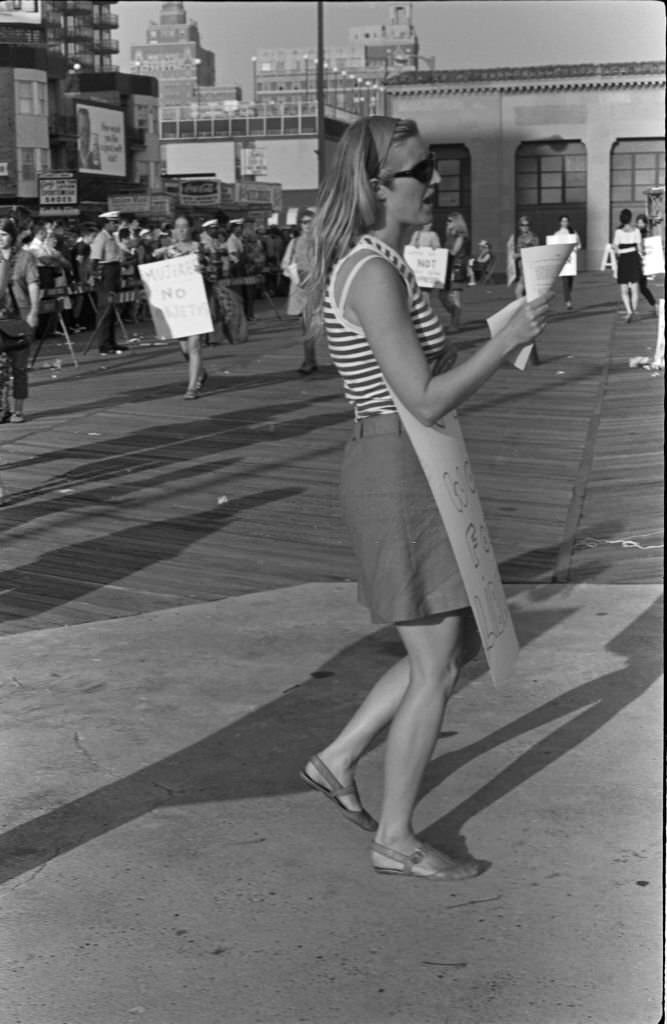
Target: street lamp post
[254,79]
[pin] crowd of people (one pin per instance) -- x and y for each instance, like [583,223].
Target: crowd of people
[92,267]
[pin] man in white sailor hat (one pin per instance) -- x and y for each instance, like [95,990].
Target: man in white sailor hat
[105,259]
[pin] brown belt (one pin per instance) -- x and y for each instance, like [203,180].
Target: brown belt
[380,423]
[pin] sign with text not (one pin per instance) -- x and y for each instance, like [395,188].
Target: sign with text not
[176,297]
[428,265]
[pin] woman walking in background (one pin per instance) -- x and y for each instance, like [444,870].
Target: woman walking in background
[641,222]
[382,334]
[297,264]
[523,238]
[457,241]
[628,248]
[565,234]
[19,314]
[182,244]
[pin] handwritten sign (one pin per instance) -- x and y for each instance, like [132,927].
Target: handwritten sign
[428,265]
[176,297]
[442,453]
[570,267]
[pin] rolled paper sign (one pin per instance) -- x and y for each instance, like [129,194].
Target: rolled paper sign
[542,265]
[441,450]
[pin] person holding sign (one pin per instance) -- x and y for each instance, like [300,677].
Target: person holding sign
[384,338]
[628,246]
[569,271]
[641,223]
[182,243]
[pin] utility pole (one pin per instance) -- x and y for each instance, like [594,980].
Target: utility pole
[321,163]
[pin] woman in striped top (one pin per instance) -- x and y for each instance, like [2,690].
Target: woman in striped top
[381,330]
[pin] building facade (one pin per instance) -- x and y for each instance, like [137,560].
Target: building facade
[581,140]
[173,54]
[50,66]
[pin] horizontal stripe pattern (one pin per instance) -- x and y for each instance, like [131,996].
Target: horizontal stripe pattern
[363,382]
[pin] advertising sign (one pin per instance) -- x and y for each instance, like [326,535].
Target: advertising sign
[58,194]
[199,192]
[176,297]
[428,265]
[260,192]
[442,453]
[100,140]
[158,204]
[20,12]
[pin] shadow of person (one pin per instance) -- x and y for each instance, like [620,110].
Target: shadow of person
[597,702]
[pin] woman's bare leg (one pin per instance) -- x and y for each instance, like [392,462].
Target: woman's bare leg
[194,362]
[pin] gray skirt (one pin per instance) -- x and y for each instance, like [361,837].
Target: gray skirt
[407,568]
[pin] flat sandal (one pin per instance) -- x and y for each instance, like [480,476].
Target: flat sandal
[335,790]
[408,861]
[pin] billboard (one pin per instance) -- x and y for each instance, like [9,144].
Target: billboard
[20,12]
[100,140]
[199,192]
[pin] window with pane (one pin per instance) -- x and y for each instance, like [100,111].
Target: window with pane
[636,165]
[453,189]
[27,163]
[24,96]
[550,182]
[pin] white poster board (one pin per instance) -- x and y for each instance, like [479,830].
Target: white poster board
[654,257]
[442,453]
[176,297]
[428,265]
[100,140]
[570,267]
[541,266]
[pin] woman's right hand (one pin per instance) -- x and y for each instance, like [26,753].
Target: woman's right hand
[526,323]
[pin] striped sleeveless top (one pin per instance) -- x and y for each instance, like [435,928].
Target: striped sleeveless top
[363,382]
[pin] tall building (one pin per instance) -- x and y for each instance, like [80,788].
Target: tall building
[58,88]
[81,30]
[174,55]
[354,75]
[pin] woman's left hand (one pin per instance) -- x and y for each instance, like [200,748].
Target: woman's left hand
[446,360]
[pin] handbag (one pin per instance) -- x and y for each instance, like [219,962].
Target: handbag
[13,333]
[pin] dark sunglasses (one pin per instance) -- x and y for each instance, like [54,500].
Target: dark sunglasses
[423,171]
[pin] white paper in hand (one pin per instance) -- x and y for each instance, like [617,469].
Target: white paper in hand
[541,266]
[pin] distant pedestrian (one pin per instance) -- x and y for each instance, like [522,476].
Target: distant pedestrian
[457,241]
[181,245]
[480,266]
[381,331]
[524,238]
[297,264]
[105,259]
[19,313]
[628,246]
[565,233]
[641,221]
[426,238]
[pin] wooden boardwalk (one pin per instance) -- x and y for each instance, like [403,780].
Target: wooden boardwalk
[123,498]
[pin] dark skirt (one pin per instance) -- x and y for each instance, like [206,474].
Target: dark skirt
[629,268]
[407,568]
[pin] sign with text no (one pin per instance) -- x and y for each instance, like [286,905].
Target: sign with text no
[176,297]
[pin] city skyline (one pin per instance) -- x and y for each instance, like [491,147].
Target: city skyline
[560,31]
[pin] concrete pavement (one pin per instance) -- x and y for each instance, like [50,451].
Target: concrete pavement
[161,861]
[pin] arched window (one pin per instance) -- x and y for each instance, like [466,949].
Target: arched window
[550,181]
[636,165]
[453,190]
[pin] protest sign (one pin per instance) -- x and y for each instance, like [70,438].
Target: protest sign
[442,453]
[428,265]
[569,269]
[542,265]
[654,257]
[176,297]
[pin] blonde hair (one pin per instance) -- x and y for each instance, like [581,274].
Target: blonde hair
[348,205]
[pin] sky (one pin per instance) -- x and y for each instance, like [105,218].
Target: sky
[458,33]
